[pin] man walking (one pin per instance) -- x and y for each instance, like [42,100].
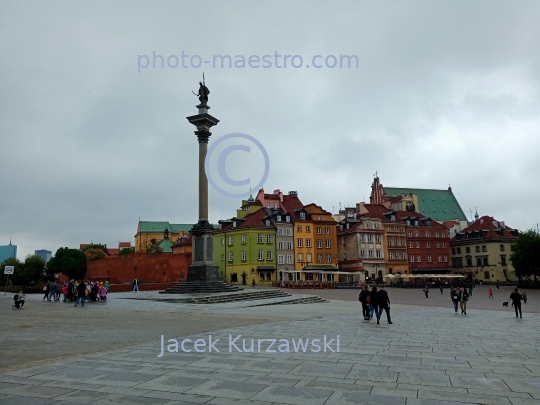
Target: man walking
[516,302]
[363,297]
[81,293]
[384,303]
[136,285]
[441,288]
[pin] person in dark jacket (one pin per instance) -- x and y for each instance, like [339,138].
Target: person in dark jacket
[516,302]
[81,293]
[384,303]
[363,297]
[373,303]
[426,291]
[464,297]
[455,296]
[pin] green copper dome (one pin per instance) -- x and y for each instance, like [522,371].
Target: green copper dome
[250,199]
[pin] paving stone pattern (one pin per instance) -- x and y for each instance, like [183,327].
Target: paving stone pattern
[429,356]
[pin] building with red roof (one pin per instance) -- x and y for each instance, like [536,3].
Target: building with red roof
[482,250]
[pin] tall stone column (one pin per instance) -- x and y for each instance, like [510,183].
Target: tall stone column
[203,268]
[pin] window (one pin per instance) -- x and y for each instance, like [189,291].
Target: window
[409,234]
[370,237]
[402,229]
[288,232]
[308,242]
[503,259]
[319,230]
[411,259]
[437,245]
[436,234]
[328,258]
[467,250]
[417,245]
[222,241]
[275,205]
[319,244]
[327,231]
[484,249]
[289,245]
[485,261]
[389,241]
[403,256]
[370,253]
[477,248]
[259,238]
[243,239]
[469,262]
[280,232]
[319,258]
[244,255]
[230,256]
[428,245]
[280,245]
[299,243]
[362,253]
[378,238]
[416,234]
[308,228]
[410,245]
[501,248]
[444,245]
[439,259]
[418,259]
[395,227]
[287,219]
[268,238]
[429,259]
[268,255]
[299,228]
[302,215]
[308,258]
[279,218]
[379,254]
[300,257]
[479,261]
[445,259]
[289,259]
[391,255]
[458,250]
[402,242]
[268,205]
[223,257]
[323,218]
[361,237]
[230,240]
[327,244]
[259,255]
[267,222]
[427,234]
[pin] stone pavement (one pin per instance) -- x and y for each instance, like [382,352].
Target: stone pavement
[429,356]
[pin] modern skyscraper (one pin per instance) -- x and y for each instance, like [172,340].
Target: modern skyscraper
[8,251]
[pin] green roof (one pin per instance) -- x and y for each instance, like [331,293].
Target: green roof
[159,226]
[166,245]
[440,205]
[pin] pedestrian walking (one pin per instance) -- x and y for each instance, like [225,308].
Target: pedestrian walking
[497,285]
[455,296]
[516,302]
[441,288]
[253,283]
[463,301]
[490,291]
[107,285]
[373,303]
[426,291]
[46,290]
[363,297]
[384,303]
[103,292]
[65,290]
[81,293]
[135,285]
[470,290]
[524,296]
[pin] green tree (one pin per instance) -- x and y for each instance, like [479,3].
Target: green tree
[15,278]
[70,262]
[33,270]
[126,251]
[97,246]
[526,254]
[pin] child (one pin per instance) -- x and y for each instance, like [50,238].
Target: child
[19,300]
[490,291]
[524,296]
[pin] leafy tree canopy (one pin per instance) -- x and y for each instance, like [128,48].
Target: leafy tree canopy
[14,279]
[97,246]
[126,251]
[525,255]
[70,262]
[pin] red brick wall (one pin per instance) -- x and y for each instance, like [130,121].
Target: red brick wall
[154,268]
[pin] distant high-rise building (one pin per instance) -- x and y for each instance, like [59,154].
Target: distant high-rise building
[44,254]
[8,251]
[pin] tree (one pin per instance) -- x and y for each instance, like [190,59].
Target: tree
[526,254]
[33,270]
[14,279]
[70,262]
[126,251]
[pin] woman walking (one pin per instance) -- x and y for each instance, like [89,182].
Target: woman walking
[373,304]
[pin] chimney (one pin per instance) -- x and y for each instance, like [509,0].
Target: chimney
[293,193]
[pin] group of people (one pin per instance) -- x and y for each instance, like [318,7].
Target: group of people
[78,291]
[374,302]
[460,296]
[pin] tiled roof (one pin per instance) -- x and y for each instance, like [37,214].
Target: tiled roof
[255,220]
[124,244]
[184,240]
[440,205]
[378,211]
[490,229]
[292,203]
[113,251]
[159,226]
[166,245]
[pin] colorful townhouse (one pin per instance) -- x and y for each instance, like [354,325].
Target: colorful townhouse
[245,248]
[482,251]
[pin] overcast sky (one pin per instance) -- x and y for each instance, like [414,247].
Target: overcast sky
[444,93]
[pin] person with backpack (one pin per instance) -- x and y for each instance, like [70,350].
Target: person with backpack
[18,300]
[363,297]
[455,296]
